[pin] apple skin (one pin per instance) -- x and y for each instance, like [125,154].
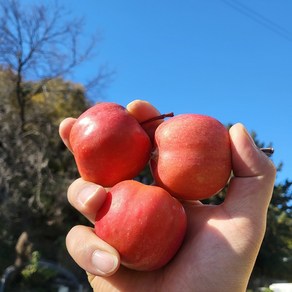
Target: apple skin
[192,156]
[109,145]
[144,223]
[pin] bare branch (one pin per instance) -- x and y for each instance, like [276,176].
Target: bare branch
[40,43]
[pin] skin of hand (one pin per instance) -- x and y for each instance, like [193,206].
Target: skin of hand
[221,244]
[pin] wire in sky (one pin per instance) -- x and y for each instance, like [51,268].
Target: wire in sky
[259,18]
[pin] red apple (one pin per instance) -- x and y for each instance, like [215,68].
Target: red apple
[109,145]
[192,156]
[144,223]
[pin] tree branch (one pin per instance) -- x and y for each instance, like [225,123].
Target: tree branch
[40,43]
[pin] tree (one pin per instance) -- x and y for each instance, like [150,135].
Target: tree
[41,43]
[275,257]
[35,172]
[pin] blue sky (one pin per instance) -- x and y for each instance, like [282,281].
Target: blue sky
[231,59]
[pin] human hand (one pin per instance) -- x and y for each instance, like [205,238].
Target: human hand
[221,244]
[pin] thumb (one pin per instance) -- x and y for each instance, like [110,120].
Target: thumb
[251,188]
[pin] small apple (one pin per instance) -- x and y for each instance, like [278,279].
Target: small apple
[192,156]
[109,145]
[144,223]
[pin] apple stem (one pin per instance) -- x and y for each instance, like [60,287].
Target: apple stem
[160,117]
[268,151]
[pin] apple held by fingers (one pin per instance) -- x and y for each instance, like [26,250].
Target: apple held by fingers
[192,156]
[109,145]
[144,223]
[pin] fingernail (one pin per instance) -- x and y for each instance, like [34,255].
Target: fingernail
[104,262]
[87,193]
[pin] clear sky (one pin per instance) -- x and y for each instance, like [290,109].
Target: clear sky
[231,59]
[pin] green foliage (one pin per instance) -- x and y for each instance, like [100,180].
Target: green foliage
[275,256]
[40,44]
[35,274]
[36,169]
